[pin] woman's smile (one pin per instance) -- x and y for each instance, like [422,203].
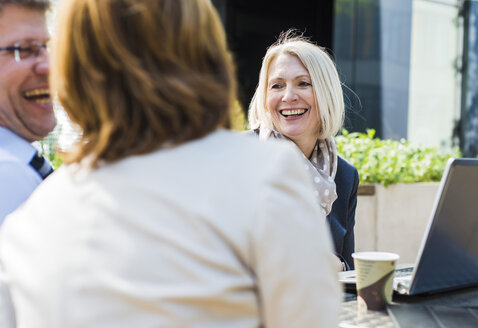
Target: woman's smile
[292,113]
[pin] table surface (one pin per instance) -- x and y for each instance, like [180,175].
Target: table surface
[350,318]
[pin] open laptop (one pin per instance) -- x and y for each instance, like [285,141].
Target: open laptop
[448,256]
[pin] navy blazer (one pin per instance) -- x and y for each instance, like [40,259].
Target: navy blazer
[341,218]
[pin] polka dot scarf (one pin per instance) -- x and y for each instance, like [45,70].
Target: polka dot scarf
[322,166]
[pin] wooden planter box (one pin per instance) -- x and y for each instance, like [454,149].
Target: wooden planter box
[394,218]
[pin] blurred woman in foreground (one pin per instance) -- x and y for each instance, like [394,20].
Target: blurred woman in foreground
[146,225]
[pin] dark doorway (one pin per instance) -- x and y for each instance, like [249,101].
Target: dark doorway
[252,25]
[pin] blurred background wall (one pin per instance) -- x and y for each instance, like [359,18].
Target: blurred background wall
[409,67]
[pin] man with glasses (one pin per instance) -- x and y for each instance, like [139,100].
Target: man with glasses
[26,111]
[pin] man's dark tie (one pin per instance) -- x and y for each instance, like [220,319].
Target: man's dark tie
[42,166]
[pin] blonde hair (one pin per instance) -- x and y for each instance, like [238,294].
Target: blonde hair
[325,82]
[135,75]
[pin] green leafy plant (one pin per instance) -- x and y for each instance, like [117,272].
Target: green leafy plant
[388,162]
[49,149]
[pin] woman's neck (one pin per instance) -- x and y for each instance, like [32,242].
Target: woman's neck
[306,145]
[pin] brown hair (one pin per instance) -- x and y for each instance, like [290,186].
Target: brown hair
[33,4]
[138,74]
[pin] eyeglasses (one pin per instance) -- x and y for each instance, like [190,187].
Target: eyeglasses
[23,51]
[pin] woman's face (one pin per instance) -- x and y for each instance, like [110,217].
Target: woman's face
[290,99]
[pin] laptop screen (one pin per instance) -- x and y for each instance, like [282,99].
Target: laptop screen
[448,257]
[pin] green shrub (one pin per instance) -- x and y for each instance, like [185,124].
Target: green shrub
[49,149]
[388,162]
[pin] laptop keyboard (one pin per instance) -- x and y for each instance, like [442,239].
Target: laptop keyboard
[403,272]
[401,281]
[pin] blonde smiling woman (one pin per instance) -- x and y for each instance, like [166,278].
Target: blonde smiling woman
[299,99]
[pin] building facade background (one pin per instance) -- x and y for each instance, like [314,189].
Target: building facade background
[409,67]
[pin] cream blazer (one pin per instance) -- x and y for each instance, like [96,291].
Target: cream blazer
[219,232]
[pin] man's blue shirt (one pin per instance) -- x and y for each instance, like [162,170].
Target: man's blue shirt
[17,178]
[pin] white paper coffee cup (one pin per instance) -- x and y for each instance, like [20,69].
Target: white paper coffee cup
[375,272]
